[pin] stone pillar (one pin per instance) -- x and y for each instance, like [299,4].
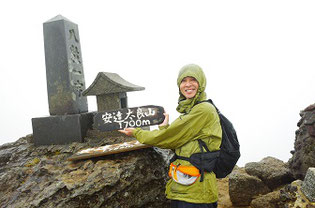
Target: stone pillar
[64,69]
[69,120]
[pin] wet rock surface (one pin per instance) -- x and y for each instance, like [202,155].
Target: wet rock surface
[244,187]
[42,177]
[268,184]
[304,146]
[308,186]
[272,171]
[266,201]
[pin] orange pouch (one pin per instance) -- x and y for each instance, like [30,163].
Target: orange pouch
[185,175]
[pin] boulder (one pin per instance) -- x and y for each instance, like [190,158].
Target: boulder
[288,196]
[292,196]
[42,177]
[308,185]
[303,155]
[223,192]
[272,171]
[244,187]
[266,201]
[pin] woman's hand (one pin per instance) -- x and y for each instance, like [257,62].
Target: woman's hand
[166,120]
[127,131]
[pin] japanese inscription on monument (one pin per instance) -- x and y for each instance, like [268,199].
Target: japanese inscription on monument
[64,68]
[69,120]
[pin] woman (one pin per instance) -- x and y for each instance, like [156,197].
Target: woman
[198,120]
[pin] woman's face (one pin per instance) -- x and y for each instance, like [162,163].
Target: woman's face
[189,87]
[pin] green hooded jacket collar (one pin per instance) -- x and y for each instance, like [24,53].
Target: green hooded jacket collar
[191,70]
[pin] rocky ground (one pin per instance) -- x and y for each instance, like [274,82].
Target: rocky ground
[41,176]
[272,183]
[224,197]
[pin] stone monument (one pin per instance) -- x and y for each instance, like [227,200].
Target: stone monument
[69,120]
[64,69]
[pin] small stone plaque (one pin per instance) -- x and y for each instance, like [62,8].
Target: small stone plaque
[129,118]
[107,150]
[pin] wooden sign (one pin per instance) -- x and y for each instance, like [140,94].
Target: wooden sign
[129,118]
[107,150]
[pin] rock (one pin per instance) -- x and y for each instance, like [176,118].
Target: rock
[288,196]
[289,193]
[273,172]
[244,187]
[42,177]
[266,201]
[308,185]
[304,146]
[223,191]
[292,196]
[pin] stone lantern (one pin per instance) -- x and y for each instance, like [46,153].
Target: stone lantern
[111,91]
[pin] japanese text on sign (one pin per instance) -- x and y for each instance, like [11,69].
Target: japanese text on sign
[129,119]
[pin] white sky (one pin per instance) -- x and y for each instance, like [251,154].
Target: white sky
[258,56]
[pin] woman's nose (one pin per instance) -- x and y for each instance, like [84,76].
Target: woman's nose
[188,83]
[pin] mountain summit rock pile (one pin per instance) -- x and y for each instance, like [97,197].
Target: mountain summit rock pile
[272,183]
[33,176]
[42,177]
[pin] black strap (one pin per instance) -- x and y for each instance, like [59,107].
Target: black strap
[181,158]
[210,101]
[202,170]
[202,145]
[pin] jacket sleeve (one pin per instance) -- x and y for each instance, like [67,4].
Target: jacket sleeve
[182,130]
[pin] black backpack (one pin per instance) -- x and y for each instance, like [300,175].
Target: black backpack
[221,162]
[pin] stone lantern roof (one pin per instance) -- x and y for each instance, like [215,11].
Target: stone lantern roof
[108,83]
[110,90]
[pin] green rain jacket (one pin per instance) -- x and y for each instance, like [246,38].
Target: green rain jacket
[195,122]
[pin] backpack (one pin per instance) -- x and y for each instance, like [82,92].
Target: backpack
[221,162]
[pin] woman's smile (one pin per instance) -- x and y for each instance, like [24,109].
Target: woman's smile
[189,87]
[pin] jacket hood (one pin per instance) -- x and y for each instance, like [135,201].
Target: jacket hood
[191,70]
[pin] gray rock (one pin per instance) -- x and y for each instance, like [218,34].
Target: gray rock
[308,185]
[273,172]
[288,196]
[304,146]
[269,200]
[42,177]
[292,196]
[243,187]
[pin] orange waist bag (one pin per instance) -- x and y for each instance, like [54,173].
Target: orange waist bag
[185,175]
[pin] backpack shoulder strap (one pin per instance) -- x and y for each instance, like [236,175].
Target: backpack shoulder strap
[202,145]
[209,101]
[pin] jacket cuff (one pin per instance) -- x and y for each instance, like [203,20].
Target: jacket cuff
[135,131]
[164,127]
